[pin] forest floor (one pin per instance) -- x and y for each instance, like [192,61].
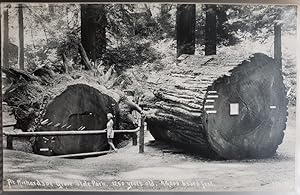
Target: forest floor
[161,167]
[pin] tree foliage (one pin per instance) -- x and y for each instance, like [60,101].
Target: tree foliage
[257,21]
[51,31]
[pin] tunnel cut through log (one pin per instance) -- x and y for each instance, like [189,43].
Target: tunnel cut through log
[231,107]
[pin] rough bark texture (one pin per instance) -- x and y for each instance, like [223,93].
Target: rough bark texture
[93,24]
[277,44]
[179,110]
[5,38]
[211,30]
[185,25]
[64,101]
[21,38]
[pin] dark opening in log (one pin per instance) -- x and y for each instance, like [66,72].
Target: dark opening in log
[224,105]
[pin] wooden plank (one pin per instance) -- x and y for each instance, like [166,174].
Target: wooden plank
[212,92]
[212,96]
[208,106]
[211,111]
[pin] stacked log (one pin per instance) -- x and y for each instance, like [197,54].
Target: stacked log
[222,105]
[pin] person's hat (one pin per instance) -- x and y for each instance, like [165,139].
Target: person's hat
[109,115]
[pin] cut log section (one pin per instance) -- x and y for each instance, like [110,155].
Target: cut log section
[61,104]
[221,105]
[79,106]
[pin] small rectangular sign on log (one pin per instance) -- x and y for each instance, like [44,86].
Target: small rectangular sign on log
[234,109]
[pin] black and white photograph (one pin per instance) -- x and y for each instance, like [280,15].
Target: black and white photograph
[148,96]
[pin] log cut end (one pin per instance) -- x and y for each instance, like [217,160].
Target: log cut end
[245,113]
[79,107]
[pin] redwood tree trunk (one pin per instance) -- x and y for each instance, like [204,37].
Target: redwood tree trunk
[277,44]
[5,38]
[93,24]
[185,26]
[21,38]
[211,30]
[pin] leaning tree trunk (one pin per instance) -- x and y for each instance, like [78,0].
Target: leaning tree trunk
[225,106]
[44,101]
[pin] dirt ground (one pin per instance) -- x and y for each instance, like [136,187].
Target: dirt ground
[160,168]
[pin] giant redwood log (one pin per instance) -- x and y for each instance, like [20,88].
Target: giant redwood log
[221,105]
[44,101]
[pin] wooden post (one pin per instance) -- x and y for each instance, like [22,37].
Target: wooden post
[277,44]
[134,139]
[9,142]
[141,147]
[134,135]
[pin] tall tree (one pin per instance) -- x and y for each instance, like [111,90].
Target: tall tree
[211,30]
[5,38]
[93,29]
[21,38]
[185,27]
[277,44]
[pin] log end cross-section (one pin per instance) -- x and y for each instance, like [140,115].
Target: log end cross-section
[80,107]
[248,113]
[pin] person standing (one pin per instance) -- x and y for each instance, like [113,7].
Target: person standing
[110,132]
